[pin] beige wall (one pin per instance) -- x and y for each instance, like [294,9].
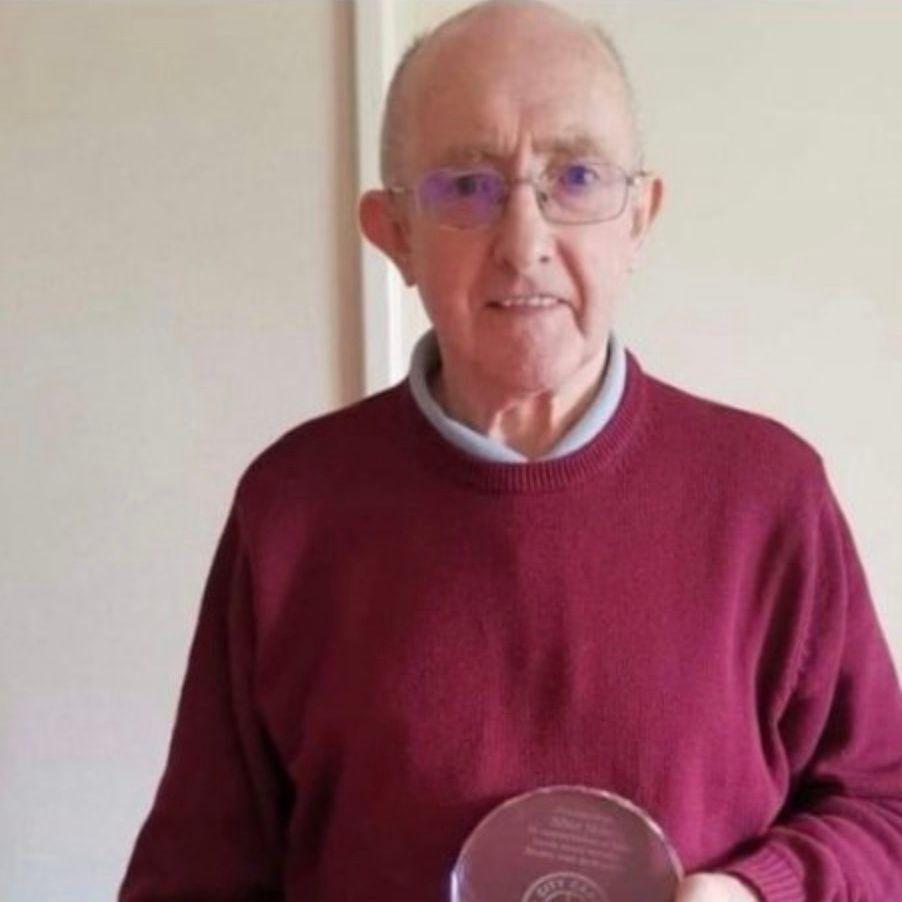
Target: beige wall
[178,286]
[773,279]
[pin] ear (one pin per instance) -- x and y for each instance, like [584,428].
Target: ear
[385,226]
[644,212]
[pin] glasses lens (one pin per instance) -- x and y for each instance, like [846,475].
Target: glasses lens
[585,191]
[461,198]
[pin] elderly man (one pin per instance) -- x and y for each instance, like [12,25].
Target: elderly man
[531,562]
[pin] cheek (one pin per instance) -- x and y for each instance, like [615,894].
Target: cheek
[598,265]
[446,267]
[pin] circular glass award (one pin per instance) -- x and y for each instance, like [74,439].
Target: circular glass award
[566,844]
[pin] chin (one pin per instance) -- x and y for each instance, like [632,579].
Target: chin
[536,380]
[547,372]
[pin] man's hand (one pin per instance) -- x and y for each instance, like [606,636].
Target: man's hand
[714,888]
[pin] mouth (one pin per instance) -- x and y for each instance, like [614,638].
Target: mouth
[526,302]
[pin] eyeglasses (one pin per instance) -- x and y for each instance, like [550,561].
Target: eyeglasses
[576,192]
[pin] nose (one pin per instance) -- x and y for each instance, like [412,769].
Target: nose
[523,237]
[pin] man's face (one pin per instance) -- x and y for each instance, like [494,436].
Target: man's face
[519,95]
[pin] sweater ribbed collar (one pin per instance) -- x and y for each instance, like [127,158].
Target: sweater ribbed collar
[604,454]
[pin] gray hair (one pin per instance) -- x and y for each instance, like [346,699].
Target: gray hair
[394,114]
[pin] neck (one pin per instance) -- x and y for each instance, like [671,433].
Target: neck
[530,423]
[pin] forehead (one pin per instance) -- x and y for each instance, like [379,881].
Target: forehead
[495,95]
[486,147]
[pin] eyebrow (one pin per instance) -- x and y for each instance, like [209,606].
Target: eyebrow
[576,145]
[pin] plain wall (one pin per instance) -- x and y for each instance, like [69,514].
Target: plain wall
[178,287]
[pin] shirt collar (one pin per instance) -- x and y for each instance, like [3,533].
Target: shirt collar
[425,358]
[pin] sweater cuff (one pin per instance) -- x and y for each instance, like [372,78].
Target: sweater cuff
[769,873]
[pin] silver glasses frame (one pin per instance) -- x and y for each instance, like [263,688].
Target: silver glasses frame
[630,179]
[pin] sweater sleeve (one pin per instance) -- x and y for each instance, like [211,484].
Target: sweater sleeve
[839,837]
[214,831]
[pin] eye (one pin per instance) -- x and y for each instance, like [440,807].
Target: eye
[578,176]
[469,184]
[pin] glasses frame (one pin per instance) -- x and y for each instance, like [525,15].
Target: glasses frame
[630,179]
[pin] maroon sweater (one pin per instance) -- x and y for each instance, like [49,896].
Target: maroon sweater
[395,637]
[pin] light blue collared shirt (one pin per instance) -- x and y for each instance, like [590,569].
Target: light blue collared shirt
[425,358]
